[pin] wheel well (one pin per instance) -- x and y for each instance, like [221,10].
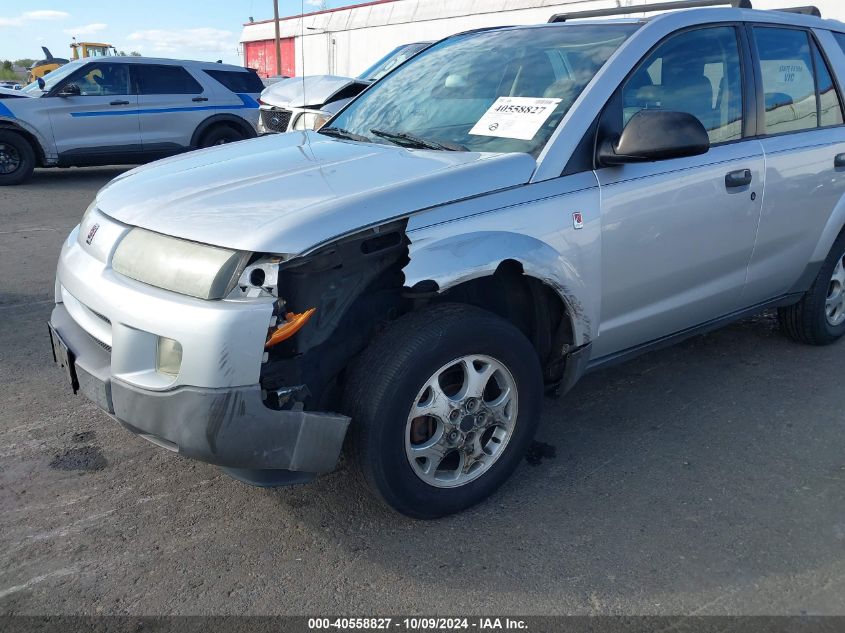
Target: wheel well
[357,287]
[531,305]
[222,120]
[36,146]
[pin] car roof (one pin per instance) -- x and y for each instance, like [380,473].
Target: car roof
[134,59]
[701,15]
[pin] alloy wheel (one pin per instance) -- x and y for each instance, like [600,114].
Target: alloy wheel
[835,302]
[10,158]
[461,421]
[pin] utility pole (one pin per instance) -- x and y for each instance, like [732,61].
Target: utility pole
[278,37]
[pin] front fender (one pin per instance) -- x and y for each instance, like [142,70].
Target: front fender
[450,260]
[11,122]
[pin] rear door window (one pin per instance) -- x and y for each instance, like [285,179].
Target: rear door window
[165,80]
[798,88]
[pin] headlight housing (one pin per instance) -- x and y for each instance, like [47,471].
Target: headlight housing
[189,268]
[311,120]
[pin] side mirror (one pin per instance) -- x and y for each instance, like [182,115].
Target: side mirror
[69,90]
[41,83]
[654,135]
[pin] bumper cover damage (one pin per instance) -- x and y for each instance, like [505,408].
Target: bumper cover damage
[230,427]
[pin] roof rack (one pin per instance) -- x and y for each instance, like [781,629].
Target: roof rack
[650,8]
[814,11]
[679,4]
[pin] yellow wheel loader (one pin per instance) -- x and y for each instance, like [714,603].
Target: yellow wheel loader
[44,66]
[79,50]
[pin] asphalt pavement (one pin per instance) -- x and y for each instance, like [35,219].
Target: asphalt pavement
[708,478]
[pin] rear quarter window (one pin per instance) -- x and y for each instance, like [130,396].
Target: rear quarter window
[237,81]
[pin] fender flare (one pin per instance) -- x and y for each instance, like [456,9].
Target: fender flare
[29,134]
[457,259]
[834,227]
[216,119]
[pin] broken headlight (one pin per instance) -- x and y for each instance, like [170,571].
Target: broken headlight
[189,268]
[259,278]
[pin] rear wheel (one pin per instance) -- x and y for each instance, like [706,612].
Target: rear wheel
[819,318]
[17,158]
[221,135]
[444,405]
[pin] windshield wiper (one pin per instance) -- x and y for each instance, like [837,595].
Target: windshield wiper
[409,140]
[339,132]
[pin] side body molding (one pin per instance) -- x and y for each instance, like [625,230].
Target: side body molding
[533,225]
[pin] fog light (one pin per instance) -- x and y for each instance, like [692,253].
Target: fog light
[168,356]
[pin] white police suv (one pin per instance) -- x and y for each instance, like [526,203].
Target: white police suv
[123,110]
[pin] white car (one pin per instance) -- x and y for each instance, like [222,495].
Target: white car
[306,103]
[123,110]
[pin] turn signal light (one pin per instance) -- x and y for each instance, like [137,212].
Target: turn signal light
[292,324]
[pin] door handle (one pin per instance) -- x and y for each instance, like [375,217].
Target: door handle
[839,161]
[739,178]
[119,103]
[200,99]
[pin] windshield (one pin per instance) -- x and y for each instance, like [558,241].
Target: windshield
[51,78]
[390,61]
[492,91]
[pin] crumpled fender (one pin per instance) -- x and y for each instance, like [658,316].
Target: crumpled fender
[453,260]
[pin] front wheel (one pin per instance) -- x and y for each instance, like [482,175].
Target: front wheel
[444,405]
[221,135]
[17,158]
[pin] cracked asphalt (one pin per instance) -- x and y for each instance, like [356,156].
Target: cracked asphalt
[708,478]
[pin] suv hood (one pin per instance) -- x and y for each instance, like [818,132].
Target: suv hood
[300,92]
[9,92]
[286,193]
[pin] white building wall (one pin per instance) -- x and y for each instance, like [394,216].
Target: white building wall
[347,41]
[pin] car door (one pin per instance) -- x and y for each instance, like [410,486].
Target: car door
[100,123]
[802,135]
[172,103]
[677,235]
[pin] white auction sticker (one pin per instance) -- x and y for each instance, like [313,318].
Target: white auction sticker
[515,117]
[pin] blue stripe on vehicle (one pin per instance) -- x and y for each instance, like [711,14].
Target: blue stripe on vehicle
[4,110]
[247,103]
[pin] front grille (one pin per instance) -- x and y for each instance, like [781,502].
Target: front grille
[105,346]
[276,120]
[101,316]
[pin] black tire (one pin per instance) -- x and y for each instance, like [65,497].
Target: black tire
[17,158]
[386,378]
[807,321]
[221,135]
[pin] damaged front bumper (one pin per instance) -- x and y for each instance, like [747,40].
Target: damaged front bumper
[230,427]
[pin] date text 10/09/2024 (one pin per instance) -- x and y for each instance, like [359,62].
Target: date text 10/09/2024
[417,624]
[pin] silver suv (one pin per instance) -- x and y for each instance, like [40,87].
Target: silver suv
[508,210]
[123,110]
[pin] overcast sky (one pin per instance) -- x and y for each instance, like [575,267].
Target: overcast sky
[207,30]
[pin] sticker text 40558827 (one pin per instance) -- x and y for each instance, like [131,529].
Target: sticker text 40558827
[515,117]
